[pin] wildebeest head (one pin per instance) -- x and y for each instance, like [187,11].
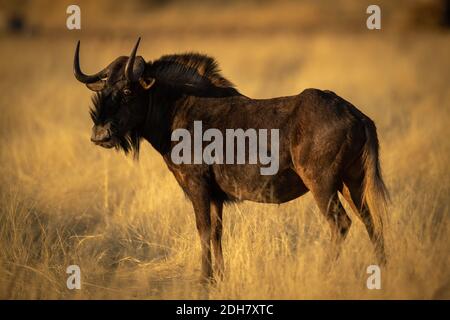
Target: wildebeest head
[121,99]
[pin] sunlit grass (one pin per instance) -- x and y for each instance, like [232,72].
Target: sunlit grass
[128,225]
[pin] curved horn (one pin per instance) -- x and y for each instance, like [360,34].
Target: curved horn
[130,63]
[84,78]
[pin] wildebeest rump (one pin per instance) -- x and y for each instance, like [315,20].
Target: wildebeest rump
[326,144]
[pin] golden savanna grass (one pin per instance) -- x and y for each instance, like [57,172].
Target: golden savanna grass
[128,225]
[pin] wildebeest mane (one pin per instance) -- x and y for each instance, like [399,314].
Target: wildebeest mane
[193,69]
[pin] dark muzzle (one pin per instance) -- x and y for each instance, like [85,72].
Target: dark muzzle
[101,133]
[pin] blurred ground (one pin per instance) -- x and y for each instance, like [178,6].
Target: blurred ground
[183,18]
[127,224]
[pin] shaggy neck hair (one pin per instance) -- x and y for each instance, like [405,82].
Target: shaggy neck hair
[193,69]
[177,77]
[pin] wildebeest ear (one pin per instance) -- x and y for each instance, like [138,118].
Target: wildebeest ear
[147,83]
[96,86]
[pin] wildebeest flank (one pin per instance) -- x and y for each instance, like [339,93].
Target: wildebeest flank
[326,144]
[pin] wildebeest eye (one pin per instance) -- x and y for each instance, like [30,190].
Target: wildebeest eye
[126,91]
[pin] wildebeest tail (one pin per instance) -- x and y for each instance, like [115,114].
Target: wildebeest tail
[375,193]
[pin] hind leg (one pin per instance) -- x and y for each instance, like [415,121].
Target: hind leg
[353,194]
[325,193]
[330,206]
[216,236]
[319,161]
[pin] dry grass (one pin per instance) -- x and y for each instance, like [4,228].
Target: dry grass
[127,224]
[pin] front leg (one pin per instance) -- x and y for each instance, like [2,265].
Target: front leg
[201,204]
[216,236]
[196,187]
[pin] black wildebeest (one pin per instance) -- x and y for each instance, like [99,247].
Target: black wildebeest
[326,145]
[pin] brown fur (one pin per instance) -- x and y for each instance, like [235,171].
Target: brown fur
[326,146]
